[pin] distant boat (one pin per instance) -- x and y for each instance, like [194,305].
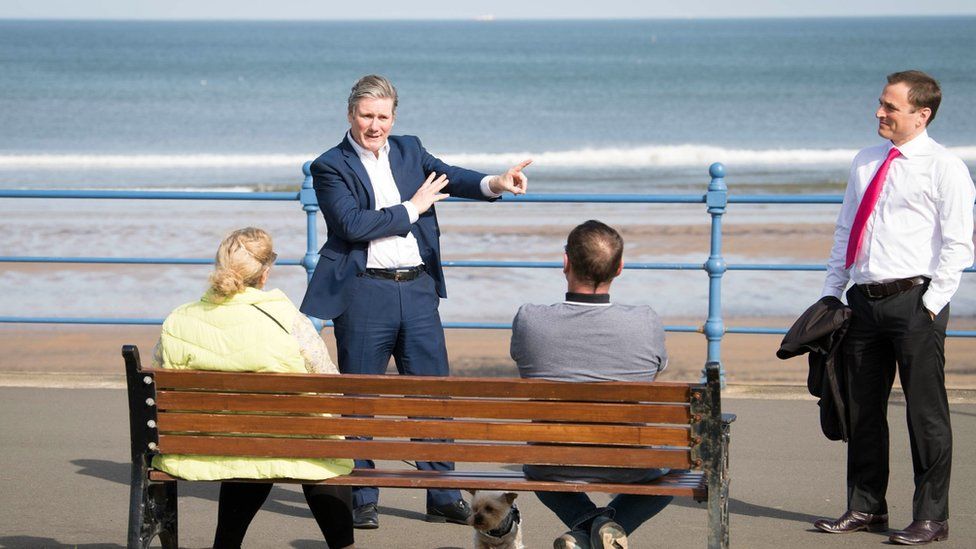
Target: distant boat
[487,17]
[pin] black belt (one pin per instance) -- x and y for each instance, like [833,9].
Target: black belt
[884,289]
[398,275]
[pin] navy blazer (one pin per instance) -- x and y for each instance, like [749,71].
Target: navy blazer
[346,198]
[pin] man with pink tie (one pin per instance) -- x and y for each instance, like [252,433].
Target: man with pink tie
[904,235]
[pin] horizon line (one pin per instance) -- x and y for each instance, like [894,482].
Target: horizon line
[486,19]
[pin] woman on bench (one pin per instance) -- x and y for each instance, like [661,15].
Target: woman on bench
[237,326]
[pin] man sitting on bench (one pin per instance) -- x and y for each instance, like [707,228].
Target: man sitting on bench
[587,338]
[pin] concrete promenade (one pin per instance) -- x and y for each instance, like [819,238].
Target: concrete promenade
[64,468]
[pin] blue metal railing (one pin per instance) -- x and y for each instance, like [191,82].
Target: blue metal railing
[716,201]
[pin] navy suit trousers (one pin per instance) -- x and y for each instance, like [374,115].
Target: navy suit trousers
[400,319]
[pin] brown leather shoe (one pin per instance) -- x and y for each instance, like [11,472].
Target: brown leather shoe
[920,532]
[853,521]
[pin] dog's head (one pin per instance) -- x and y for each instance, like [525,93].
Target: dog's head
[489,509]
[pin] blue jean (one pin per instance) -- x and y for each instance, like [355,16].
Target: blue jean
[401,319]
[628,510]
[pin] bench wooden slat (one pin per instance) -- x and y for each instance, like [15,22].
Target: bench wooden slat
[610,391]
[425,451]
[178,422]
[681,483]
[421,407]
[494,421]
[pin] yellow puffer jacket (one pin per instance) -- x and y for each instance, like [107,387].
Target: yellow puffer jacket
[235,336]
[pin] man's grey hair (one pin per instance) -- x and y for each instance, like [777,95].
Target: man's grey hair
[372,86]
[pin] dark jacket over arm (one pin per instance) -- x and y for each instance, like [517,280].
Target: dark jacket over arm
[820,331]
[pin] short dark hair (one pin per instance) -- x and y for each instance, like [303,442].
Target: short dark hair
[594,250]
[923,90]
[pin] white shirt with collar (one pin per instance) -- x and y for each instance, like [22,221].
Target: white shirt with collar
[393,252]
[922,224]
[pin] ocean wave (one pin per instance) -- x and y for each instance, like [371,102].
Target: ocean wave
[649,156]
[668,156]
[151,161]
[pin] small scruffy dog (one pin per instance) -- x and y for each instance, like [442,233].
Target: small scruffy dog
[496,520]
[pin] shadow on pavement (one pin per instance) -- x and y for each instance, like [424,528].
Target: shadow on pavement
[35,541]
[285,502]
[952,411]
[402,513]
[308,544]
[104,469]
[292,503]
[739,507]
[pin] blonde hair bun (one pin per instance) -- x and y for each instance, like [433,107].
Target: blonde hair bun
[242,258]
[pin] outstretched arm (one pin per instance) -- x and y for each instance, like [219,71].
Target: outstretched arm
[474,185]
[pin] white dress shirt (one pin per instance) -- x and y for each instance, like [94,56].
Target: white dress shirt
[393,252]
[922,223]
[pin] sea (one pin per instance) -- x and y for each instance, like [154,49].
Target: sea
[608,106]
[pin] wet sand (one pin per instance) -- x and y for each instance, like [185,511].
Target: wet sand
[73,353]
[77,350]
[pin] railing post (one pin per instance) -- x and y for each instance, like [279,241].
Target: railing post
[716,200]
[311,206]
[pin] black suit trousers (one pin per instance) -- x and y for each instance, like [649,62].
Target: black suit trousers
[897,330]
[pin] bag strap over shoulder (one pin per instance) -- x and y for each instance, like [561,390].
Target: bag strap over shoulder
[273,319]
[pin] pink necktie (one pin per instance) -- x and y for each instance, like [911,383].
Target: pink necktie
[868,201]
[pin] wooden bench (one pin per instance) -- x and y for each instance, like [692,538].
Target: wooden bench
[490,420]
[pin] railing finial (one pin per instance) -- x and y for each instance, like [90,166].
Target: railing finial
[717,171]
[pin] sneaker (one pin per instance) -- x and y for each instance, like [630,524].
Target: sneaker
[365,517]
[457,512]
[574,539]
[607,534]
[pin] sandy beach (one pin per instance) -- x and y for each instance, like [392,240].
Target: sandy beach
[61,354]
[520,233]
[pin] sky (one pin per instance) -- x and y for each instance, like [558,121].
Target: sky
[452,9]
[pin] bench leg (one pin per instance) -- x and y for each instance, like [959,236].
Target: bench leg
[152,512]
[138,495]
[164,494]
[718,498]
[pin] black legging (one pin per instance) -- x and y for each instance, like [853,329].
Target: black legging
[239,502]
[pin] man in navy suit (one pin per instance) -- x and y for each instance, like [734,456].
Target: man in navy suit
[379,273]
